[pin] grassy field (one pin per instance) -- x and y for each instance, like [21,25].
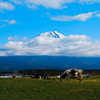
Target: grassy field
[34,89]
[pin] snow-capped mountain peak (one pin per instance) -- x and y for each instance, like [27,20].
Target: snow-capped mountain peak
[52,34]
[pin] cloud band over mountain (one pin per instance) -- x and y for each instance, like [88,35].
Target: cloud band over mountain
[73,45]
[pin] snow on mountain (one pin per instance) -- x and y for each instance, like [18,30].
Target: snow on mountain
[51,34]
[45,38]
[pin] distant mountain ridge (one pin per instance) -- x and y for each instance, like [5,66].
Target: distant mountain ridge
[13,63]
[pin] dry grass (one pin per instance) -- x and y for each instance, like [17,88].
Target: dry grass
[82,90]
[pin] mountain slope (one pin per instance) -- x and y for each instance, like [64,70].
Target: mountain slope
[52,34]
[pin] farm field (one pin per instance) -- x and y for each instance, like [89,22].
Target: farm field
[35,89]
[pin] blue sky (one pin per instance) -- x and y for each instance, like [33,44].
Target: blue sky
[21,20]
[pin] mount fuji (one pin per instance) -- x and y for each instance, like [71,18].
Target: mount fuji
[51,34]
[46,39]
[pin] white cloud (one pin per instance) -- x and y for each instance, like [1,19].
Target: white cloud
[15,38]
[12,38]
[73,45]
[24,38]
[89,1]
[12,22]
[98,15]
[34,4]
[12,45]
[9,22]
[3,25]
[6,6]
[17,1]
[80,17]
[54,4]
